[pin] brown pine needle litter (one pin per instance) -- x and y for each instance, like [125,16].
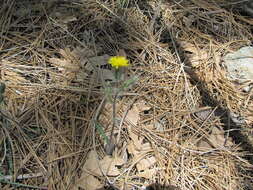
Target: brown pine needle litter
[173,125]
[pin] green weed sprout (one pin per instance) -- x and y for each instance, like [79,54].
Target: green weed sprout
[112,91]
[2,90]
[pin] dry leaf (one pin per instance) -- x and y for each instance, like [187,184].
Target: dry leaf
[91,161]
[81,76]
[62,18]
[138,151]
[204,114]
[133,115]
[188,21]
[147,174]
[146,147]
[135,139]
[68,18]
[124,153]
[149,126]
[145,163]
[215,140]
[64,65]
[69,66]
[142,106]
[196,55]
[88,182]
[107,165]
[15,77]
[203,144]
[131,148]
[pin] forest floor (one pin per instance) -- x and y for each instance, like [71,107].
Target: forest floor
[182,123]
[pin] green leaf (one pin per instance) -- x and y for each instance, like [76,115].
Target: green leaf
[2,88]
[1,98]
[101,132]
[127,83]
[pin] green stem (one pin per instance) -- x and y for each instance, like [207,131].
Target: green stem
[113,116]
[117,77]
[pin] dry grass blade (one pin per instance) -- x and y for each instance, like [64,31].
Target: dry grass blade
[171,127]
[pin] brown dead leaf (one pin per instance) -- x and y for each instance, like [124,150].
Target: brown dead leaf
[142,106]
[216,139]
[249,115]
[149,126]
[133,118]
[88,182]
[64,65]
[203,144]
[133,115]
[68,18]
[147,174]
[62,18]
[196,54]
[188,21]
[124,153]
[138,151]
[9,75]
[91,161]
[204,114]
[131,148]
[135,140]
[107,165]
[68,66]
[249,120]
[145,163]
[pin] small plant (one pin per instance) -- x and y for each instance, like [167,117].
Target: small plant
[123,3]
[112,91]
[2,90]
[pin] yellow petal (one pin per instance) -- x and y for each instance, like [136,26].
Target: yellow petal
[118,61]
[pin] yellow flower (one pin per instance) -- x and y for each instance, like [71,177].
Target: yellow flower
[118,61]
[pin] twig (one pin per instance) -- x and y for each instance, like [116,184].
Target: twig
[153,20]
[23,185]
[20,177]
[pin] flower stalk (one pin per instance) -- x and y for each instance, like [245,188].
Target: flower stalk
[117,63]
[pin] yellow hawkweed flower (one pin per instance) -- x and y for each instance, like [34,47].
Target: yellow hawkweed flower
[118,61]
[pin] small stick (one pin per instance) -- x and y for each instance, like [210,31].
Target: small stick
[23,176]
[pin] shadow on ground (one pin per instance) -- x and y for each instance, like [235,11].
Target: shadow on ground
[154,186]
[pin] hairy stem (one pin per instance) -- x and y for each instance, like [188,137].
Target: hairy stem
[114,105]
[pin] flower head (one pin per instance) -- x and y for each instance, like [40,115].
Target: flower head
[118,61]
